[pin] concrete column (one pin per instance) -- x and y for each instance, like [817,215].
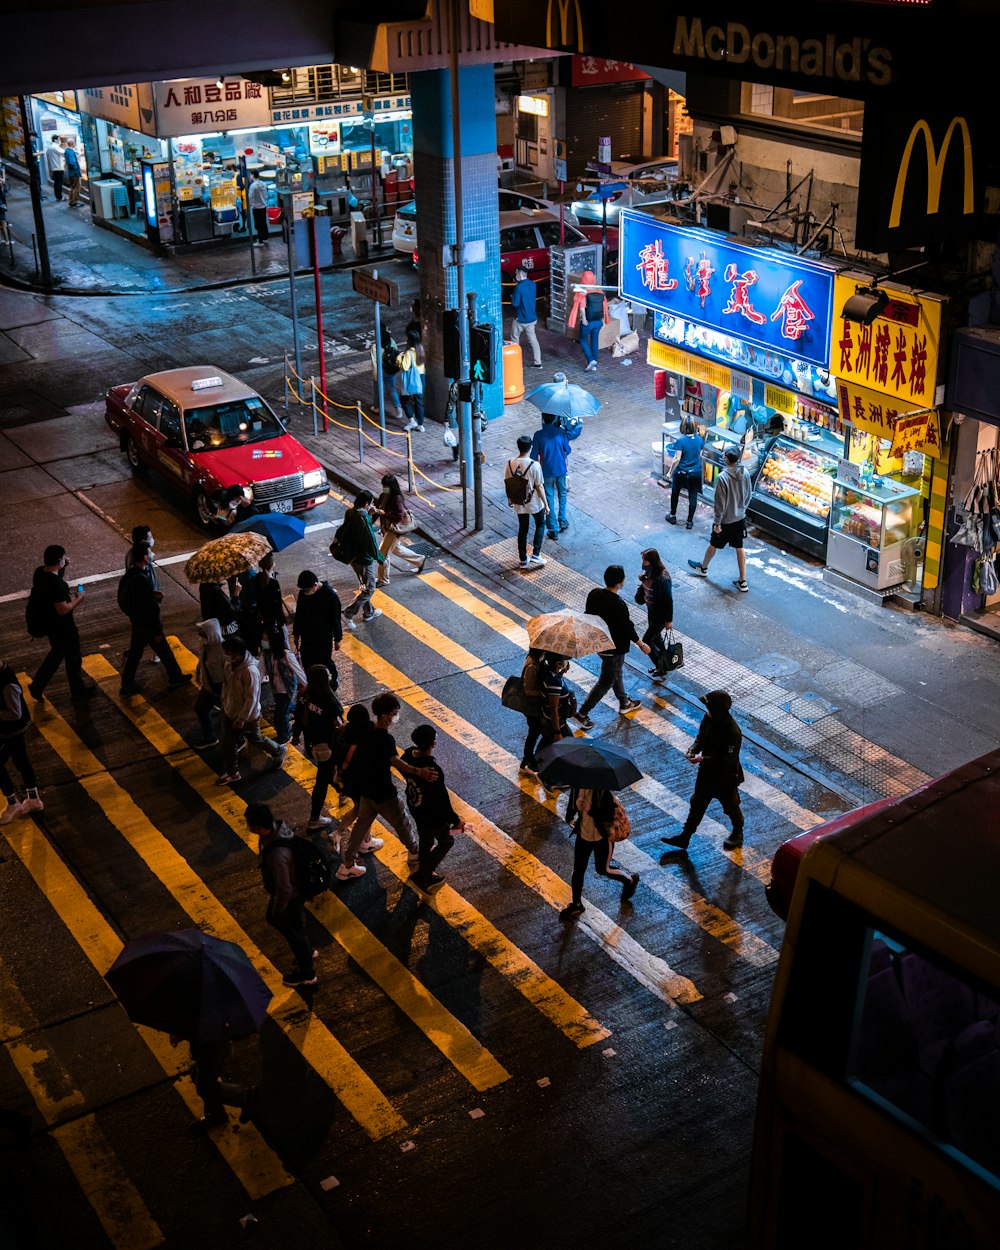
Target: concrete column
[433,161]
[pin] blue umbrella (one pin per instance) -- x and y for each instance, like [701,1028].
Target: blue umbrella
[279,528]
[563,399]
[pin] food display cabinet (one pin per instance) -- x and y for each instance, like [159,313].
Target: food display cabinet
[793,494]
[869,527]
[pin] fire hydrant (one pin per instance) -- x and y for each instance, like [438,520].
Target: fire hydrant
[337,234]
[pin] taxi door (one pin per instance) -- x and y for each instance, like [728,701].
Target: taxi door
[167,437]
[520,249]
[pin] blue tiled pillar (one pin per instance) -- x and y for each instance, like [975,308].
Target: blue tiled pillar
[433,159]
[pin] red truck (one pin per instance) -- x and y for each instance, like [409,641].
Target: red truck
[207,432]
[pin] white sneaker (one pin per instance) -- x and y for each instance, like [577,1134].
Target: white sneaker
[411,424]
[371,844]
[32,805]
[536,562]
[349,622]
[592,367]
[11,812]
[345,873]
[524,564]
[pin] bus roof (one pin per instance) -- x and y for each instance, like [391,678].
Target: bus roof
[928,862]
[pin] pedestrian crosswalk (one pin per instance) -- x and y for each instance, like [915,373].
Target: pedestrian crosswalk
[499,906]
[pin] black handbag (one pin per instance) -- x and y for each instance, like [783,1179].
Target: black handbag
[673,656]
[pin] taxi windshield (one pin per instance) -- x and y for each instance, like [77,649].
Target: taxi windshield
[234,424]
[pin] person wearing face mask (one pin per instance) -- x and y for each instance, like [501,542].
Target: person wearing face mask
[55,605]
[375,758]
[732,497]
[716,751]
[358,537]
[316,627]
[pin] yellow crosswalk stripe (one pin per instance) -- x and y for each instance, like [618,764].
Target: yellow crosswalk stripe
[512,608]
[332,1062]
[455,1041]
[91,1157]
[253,1162]
[679,894]
[540,990]
[671,985]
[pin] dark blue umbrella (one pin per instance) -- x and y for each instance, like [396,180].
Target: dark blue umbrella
[281,529]
[582,762]
[191,984]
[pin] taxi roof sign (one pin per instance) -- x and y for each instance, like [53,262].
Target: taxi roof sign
[203,384]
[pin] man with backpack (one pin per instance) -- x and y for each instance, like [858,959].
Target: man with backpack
[356,540]
[591,308]
[50,613]
[139,602]
[525,489]
[550,447]
[316,626]
[280,869]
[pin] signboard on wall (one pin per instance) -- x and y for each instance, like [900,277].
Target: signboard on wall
[770,300]
[921,176]
[123,103]
[906,428]
[898,354]
[193,106]
[297,114]
[592,71]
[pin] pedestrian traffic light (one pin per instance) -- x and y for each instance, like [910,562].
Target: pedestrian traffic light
[451,347]
[482,352]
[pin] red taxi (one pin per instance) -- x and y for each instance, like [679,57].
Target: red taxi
[207,432]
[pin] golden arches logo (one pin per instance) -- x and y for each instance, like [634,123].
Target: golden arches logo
[935,168]
[563,7]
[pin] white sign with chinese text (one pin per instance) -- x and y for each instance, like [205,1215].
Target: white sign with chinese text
[296,114]
[192,106]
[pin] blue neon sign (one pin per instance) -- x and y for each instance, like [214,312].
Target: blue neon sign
[775,301]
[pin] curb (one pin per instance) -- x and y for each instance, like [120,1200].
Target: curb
[787,757]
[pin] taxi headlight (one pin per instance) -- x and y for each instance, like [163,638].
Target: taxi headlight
[314,479]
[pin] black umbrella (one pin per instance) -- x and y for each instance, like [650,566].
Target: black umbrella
[190,984]
[593,765]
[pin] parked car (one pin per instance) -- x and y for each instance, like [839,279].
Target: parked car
[404,227]
[206,432]
[662,168]
[525,239]
[620,194]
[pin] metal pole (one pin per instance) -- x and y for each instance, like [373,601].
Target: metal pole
[562,215]
[284,389]
[35,185]
[477,459]
[464,405]
[319,320]
[378,364]
[312,383]
[409,463]
[361,435]
[290,222]
[604,233]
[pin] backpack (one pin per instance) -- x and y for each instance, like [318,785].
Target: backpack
[620,827]
[339,548]
[36,615]
[125,594]
[314,871]
[517,486]
[390,361]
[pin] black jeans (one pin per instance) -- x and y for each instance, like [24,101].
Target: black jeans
[523,524]
[692,481]
[214,1092]
[610,679]
[57,182]
[260,225]
[291,924]
[137,644]
[601,851]
[705,790]
[324,775]
[64,645]
[435,841]
[206,702]
[13,749]
[319,650]
[653,638]
[531,741]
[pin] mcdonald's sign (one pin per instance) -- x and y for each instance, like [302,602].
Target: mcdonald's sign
[920,178]
[564,25]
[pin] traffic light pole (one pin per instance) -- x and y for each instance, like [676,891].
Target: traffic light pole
[464,408]
[476,430]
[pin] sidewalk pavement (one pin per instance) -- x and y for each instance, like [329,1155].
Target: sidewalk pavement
[86,258]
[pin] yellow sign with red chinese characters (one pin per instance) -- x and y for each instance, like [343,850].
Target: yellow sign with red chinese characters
[906,427]
[898,353]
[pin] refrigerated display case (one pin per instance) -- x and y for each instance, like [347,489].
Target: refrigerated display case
[869,527]
[793,494]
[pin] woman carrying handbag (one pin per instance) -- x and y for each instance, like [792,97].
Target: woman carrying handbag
[656,592]
[396,520]
[599,821]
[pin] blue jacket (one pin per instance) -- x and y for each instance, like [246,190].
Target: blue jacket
[523,302]
[72,163]
[550,447]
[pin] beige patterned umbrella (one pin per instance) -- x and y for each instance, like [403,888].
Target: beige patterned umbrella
[226,557]
[569,633]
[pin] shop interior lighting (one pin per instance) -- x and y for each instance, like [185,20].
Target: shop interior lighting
[220,83]
[867,303]
[286,77]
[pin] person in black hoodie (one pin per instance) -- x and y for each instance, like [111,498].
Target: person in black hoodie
[137,599]
[656,592]
[286,909]
[58,604]
[716,751]
[431,809]
[318,716]
[14,721]
[317,627]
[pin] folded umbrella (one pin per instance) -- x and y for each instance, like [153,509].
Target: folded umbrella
[563,399]
[279,528]
[569,633]
[191,984]
[226,557]
[583,762]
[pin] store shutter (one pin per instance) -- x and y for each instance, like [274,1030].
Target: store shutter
[595,111]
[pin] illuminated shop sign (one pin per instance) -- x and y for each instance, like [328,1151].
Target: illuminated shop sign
[769,300]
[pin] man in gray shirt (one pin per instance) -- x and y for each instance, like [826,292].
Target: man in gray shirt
[732,497]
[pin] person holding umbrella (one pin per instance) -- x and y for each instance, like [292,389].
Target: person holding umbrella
[656,593]
[286,909]
[716,751]
[595,815]
[557,700]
